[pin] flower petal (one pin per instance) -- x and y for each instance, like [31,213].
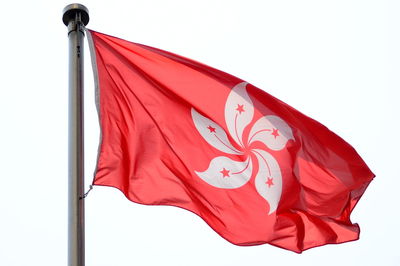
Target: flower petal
[239,111]
[268,179]
[226,173]
[272,131]
[213,133]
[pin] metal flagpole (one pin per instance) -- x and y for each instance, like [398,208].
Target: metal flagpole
[76,17]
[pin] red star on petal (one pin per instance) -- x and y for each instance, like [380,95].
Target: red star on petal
[269,182]
[275,132]
[225,173]
[240,108]
[212,129]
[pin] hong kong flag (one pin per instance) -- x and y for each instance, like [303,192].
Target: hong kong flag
[177,132]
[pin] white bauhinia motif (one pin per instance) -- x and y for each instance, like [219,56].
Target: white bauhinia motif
[224,172]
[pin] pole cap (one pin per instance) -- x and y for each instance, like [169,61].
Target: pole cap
[70,11]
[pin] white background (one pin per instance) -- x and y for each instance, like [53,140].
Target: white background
[336,61]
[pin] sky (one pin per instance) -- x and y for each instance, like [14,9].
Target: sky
[336,61]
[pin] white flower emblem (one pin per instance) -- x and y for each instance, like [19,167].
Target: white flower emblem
[223,172]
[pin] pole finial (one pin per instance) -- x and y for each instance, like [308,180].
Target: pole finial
[70,11]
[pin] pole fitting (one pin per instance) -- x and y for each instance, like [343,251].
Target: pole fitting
[75,17]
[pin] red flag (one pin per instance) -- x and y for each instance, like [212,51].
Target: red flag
[177,132]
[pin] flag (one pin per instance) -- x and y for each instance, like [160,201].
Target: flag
[177,132]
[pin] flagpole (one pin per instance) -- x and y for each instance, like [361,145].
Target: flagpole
[76,17]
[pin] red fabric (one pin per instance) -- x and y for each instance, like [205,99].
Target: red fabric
[152,151]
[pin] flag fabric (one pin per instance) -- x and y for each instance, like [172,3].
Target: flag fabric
[177,132]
